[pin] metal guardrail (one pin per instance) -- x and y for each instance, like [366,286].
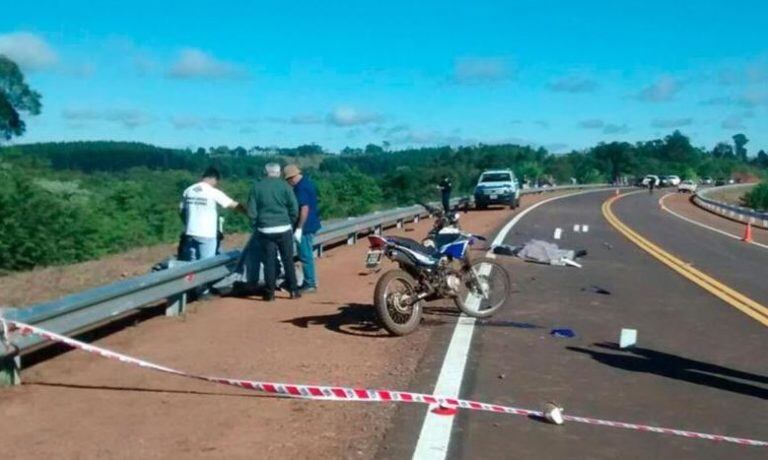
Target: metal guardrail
[86,310]
[730,211]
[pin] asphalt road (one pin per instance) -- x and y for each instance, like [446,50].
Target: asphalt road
[699,364]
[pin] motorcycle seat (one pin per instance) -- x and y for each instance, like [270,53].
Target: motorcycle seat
[414,246]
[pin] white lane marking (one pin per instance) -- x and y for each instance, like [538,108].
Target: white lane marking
[558,233]
[585,228]
[695,222]
[576,228]
[435,433]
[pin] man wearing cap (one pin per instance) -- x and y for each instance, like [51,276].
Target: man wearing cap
[307,225]
[273,211]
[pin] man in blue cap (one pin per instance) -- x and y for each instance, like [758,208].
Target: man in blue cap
[308,224]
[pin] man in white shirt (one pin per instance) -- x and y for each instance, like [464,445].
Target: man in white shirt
[200,216]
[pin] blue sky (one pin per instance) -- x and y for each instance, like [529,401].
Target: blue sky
[561,74]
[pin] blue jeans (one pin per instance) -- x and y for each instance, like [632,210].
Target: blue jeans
[307,258]
[197,248]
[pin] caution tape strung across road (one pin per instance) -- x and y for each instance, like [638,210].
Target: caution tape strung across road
[333,393]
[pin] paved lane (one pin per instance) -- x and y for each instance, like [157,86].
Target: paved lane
[742,266]
[699,365]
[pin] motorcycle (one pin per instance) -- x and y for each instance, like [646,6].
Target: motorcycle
[445,223]
[478,288]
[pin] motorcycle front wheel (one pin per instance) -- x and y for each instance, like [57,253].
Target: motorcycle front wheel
[484,288]
[393,301]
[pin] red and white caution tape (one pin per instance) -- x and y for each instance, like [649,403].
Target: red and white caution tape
[332,393]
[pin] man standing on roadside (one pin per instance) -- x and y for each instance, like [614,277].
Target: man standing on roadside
[308,224]
[445,187]
[201,220]
[273,210]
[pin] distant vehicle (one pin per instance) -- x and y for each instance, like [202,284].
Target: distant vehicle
[646,182]
[719,182]
[497,186]
[674,181]
[707,181]
[663,181]
[687,186]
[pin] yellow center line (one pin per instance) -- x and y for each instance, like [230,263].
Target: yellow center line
[734,298]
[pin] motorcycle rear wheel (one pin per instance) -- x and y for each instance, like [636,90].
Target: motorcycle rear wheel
[391,303]
[484,299]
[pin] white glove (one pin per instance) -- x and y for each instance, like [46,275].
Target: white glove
[297,235]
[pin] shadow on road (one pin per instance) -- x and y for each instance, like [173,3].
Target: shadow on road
[360,320]
[353,319]
[679,368]
[75,386]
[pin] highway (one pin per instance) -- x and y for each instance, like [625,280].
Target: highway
[699,363]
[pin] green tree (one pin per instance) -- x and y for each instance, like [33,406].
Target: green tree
[722,150]
[15,96]
[740,140]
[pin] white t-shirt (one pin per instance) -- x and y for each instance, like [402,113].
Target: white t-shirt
[199,202]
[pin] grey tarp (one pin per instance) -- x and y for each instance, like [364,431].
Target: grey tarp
[545,253]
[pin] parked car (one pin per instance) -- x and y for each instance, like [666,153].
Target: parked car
[687,186]
[673,181]
[497,186]
[719,182]
[707,181]
[647,180]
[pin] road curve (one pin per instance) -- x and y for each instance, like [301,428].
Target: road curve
[698,365]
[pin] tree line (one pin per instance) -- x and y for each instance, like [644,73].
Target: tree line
[67,202]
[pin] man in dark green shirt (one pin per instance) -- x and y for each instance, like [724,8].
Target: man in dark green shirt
[274,212]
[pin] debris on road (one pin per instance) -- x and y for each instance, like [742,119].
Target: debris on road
[553,413]
[627,338]
[564,333]
[597,290]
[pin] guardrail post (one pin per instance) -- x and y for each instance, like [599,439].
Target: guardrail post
[351,239]
[177,305]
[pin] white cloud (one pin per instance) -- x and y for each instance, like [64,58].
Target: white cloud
[666,123]
[194,63]
[663,89]
[473,71]
[607,128]
[305,119]
[212,122]
[745,72]
[593,123]
[127,118]
[349,116]
[733,122]
[30,51]
[573,84]
[611,128]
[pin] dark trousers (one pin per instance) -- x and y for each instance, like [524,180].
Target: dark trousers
[446,196]
[270,244]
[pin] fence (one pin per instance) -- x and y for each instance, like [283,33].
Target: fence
[731,211]
[89,309]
